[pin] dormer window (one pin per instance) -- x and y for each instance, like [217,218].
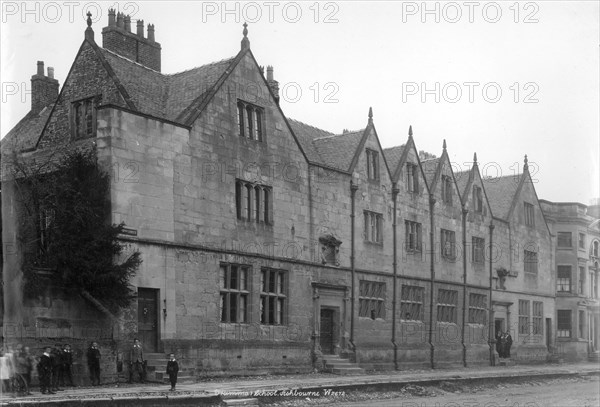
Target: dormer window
[250,120]
[529,214]
[477,199]
[412,178]
[447,190]
[372,164]
[83,118]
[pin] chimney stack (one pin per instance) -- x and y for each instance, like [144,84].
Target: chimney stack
[44,89]
[119,39]
[273,84]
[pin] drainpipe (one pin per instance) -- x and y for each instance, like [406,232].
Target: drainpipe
[464,307]
[353,189]
[395,191]
[432,251]
[492,339]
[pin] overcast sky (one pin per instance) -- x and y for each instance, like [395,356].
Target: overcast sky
[503,79]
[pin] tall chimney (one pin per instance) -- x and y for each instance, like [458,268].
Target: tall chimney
[44,89]
[120,40]
[111,17]
[273,84]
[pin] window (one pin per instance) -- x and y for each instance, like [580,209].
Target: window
[371,299]
[563,239]
[477,199]
[530,261]
[373,227]
[563,279]
[581,280]
[234,293]
[538,317]
[250,121]
[412,236]
[83,118]
[529,214]
[591,284]
[595,294]
[563,323]
[447,189]
[412,177]
[273,296]
[446,305]
[448,244]
[478,248]
[582,240]
[581,324]
[411,303]
[595,249]
[253,202]
[477,309]
[46,224]
[523,317]
[372,164]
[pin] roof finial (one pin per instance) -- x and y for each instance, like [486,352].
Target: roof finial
[89,33]
[444,144]
[410,131]
[525,166]
[245,40]
[370,115]
[474,158]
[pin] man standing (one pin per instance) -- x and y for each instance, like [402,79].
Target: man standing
[499,344]
[136,361]
[93,359]
[507,344]
[45,371]
[57,366]
[67,364]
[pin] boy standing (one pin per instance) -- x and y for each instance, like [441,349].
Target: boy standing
[45,371]
[172,370]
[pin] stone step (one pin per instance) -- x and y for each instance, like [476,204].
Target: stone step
[347,370]
[338,363]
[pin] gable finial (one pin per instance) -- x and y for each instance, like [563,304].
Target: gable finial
[525,165]
[410,131]
[444,144]
[474,158]
[370,115]
[245,40]
[89,33]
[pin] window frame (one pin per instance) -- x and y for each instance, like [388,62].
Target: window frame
[447,304]
[418,238]
[278,298]
[447,196]
[564,329]
[372,164]
[370,305]
[250,121]
[581,240]
[564,283]
[477,250]
[524,311]
[528,214]
[90,118]
[527,256]
[478,310]
[227,293]
[448,244]
[537,317]
[253,207]
[373,225]
[412,301]
[567,239]
[477,199]
[412,178]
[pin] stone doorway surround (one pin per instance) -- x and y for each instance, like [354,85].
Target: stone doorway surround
[333,297]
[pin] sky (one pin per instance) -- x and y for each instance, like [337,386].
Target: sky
[502,79]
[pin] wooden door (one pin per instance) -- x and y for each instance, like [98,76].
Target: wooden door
[326,340]
[148,318]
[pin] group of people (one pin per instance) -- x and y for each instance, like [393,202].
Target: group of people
[54,367]
[503,343]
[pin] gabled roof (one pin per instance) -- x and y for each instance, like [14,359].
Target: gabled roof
[430,169]
[393,155]
[306,134]
[462,179]
[501,194]
[25,134]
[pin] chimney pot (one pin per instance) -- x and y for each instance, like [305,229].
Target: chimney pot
[50,72]
[120,20]
[111,17]
[40,68]
[128,24]
[140,28]
[44,90]
[269,73]
[151,32]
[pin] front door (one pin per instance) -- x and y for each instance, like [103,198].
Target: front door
[326,340]
[148,318]
[499,327]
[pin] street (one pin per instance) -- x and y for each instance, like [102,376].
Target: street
[564,392]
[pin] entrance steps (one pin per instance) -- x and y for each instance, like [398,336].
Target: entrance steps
[156,369]
[337,365]
[594,357]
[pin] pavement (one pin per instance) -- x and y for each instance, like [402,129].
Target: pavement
[214,391]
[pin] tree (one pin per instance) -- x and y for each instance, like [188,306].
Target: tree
[67,208]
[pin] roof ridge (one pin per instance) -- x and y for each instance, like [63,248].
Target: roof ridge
[170,75]
[132,61]
[339,135]
[391,148]
[311,126]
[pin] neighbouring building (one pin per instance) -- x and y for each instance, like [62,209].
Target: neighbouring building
[576,228]
[268,244]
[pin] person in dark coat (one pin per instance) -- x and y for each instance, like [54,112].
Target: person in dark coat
[136,361]
[93,360]
[507,344]
[172,370]
[499,342]
[56,356]
[67,376]
[45,371]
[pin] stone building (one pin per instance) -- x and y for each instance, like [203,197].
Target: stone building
[577,231]
[269,244]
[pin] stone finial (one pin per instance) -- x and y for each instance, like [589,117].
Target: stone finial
[525,165]
[410,133]
[370,115]
[111,17]
[245,40]
[89,33]
[474,158]
[444,144]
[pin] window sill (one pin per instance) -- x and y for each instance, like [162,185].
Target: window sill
[378,244]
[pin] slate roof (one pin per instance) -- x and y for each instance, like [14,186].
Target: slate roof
[306,134]
[25,134]
[429,169]
[393,156]
[172,97]
[462,179]
[500,192]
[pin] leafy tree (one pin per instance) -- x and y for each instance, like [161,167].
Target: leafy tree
[69,208]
